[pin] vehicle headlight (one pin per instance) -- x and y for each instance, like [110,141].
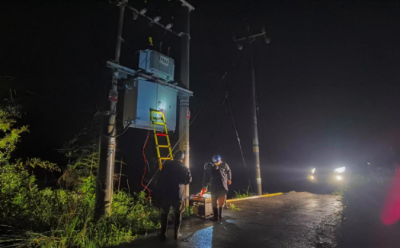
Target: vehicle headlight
[340,170]
[312,171]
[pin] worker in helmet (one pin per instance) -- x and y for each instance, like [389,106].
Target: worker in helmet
[174,176]
[219,176]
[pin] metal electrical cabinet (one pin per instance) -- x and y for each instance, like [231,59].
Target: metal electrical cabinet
[141,96]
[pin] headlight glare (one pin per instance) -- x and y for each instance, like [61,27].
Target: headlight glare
[340,170]
[312,171]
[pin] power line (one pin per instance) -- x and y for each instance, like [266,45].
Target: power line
[215,87]
[200,110]
[114,126]
[227,98]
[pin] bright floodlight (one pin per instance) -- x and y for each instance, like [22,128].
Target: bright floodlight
[169,26]
[157,18]
[143,11]
[339,178]
[312,177]
[340,170]
[313,171]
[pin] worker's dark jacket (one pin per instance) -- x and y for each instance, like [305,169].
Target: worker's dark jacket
[217,176]
[174,176]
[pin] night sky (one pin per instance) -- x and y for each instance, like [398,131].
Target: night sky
[327,84]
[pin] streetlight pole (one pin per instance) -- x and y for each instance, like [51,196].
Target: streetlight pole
[184,112]
[107,148]
[256,151]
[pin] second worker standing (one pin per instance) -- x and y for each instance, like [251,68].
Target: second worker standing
[219,176]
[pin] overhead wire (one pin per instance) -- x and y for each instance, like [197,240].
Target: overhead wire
[100,113]
[107,136]
[216,86]
[234,66]
[191,122]
[226,99]
[145,166]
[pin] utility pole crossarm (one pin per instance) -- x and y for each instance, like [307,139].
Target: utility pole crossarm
[186,4]
[251,37]
[152,20]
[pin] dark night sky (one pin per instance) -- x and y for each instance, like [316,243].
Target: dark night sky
[327,84]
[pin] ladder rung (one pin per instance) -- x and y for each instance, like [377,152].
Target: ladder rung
[167,158]
[161,134]
[157,118]
[163,146]
[157,112]
[159,123]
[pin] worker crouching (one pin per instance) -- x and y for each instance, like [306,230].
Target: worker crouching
[219,176]
[174,176]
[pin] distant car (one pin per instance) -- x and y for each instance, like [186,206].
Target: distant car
[329,175]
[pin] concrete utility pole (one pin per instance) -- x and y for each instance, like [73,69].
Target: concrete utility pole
[256,151]
[184,112]
[105,173]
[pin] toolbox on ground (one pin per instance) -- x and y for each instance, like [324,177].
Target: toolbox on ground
[201,205]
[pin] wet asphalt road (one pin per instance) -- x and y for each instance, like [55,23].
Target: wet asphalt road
[289,220]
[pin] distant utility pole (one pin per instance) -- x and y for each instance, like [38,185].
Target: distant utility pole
[256,151]
[108,146]
[184,112]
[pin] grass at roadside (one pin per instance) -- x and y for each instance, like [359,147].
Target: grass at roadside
[61,214]
[244,194]
[233,207]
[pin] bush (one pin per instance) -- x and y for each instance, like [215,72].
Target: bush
[62,216]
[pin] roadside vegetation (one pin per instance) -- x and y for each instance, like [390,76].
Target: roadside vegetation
[59,212]
[233,207]
[244,194]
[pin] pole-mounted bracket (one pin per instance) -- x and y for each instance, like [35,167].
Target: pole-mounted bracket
[182,34]
[186,4]
[108,112]
[113,96]
[127,71]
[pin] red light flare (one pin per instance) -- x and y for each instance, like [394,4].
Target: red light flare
[391,210]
